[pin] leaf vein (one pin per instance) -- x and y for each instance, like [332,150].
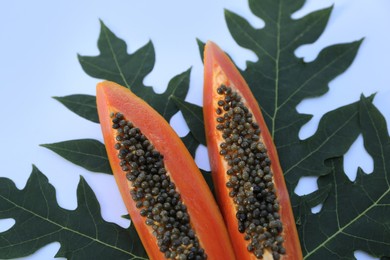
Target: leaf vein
[115,59]
[63,227]
[341,230]
[250,38]
[299,88]
[140,67]
[328,138]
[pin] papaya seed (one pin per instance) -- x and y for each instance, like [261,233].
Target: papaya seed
[250,179]
[155,195]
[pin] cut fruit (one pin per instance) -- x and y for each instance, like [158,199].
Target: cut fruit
[168,200]
[248,179]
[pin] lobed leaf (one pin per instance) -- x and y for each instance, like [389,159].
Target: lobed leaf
[177,87]
[280,81]
[115,64]
[336,132]
[355,214]
[87,153]
[82,233]
[82,105]
[129,70]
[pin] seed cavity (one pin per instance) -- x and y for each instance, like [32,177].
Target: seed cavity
[250,179]
[154,193]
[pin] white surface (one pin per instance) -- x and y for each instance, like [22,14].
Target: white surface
[38,47]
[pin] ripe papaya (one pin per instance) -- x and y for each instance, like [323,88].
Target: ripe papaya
[167,198]
[247,175]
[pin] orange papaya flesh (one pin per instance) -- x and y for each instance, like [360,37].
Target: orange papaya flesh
[247,175]
[168,200]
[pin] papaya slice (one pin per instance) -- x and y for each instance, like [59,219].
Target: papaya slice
[168,200]
[248,179]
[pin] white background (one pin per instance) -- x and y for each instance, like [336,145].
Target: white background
[40,41]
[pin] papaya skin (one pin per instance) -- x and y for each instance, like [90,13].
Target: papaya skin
[205,217]
[220,70]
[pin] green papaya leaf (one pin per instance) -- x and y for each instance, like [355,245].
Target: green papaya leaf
[178,87]
[336,132]
[82,233]
[209,180]
[193,115]
[115,64]
[82,105]
[137,248]
[317,197]
[201,46]
[278,91]
[355,215]
[87,153]
[280,81]
[191,143]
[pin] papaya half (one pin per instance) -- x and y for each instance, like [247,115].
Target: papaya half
[247,175]
[167,198]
